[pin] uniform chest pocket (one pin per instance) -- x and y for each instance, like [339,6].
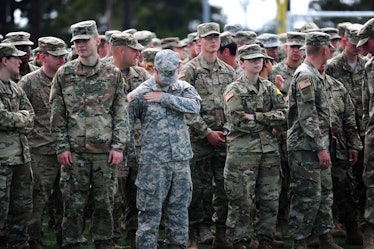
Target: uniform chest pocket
[249,102]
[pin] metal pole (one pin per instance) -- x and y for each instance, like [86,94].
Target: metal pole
[206,11]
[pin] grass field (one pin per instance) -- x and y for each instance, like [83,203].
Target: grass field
[49,241]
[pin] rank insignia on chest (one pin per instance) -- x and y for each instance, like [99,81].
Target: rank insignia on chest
[304,84]
[229,96]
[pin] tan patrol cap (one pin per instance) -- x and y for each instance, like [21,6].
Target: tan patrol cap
[83,30]
[52,45]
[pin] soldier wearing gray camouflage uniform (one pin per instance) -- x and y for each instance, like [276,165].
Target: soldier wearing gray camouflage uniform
[349,68]
[366,35]
[46,169]
[125,51]
[89,120]
[254,107]
[210,76]
[164,177]
[16,120]
[308,142]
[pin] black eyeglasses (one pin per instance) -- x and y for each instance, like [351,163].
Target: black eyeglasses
[211,37]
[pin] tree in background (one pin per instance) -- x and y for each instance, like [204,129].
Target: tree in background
[54,17]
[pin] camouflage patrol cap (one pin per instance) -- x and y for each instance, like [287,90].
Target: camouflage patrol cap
[109,34]
[52,45]
[233,28]
[208,28]
[83,30]
[317,39]
[226,38]
[130,31]
[144,37]
[8,49]
[269,40]
[282,38]
[245,37]
[19,38]
[172,42]
[307,26]
[167,63]
[333,32]
[366,32]
[191,37]
[351,33]
[342,27]
[251,51]
[156,43]
[125,39]
[295,38]
[149,54]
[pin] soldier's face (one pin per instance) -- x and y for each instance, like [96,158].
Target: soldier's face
[210,43]
[86,47]
[130,56]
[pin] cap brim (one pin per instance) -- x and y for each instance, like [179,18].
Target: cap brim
[294,44]
[18,53]
[59,52]
[81,37]
[252,56]
[362,42]
[137,47]
[210,32]
[22,43]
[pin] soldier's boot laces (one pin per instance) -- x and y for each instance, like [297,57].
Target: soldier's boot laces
[220,241]
[299,244]
[368,238]
[192,241]
[327,242]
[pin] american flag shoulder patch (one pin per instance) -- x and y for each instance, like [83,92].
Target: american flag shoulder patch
[304,84]
[229,96]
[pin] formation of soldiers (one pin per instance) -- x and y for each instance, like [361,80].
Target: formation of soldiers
[222,130]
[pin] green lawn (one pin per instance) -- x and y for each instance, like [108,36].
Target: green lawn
[49,241]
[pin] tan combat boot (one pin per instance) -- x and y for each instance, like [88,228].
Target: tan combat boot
[220,241]
[327,242]
[192,240]
[368,238]
[299,244]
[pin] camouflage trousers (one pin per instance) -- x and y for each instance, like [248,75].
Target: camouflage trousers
[368,178]
[168,186]
[46,171]
[344,206]
[89,173]
[15,203]
[248,177]
[311,196]
[208,196]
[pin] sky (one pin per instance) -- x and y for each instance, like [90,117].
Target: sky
[259,12]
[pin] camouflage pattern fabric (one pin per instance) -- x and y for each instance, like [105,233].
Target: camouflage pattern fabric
[252,170]
[164,177]
[309,131]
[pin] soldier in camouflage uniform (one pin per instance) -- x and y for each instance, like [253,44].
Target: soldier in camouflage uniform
[286,69]
[46,169]
[90,123]
[125,50]
[164,177]
[254,107]
[366,35]
[308,141]
[228,50]
[210,76]
[349,68]
[346,144]
[16,120]
[21,40]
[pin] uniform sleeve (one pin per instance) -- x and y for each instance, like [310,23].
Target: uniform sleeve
[366,97]
[307,112]
[350,125]
[134,114]
[189,102]
[58,118]
[21,120]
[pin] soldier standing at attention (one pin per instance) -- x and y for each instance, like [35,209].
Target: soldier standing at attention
[366,35]
[210,76]
[164,176]
[90,123]
[16,120]
[254,107]
[308,141]
[45,167]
